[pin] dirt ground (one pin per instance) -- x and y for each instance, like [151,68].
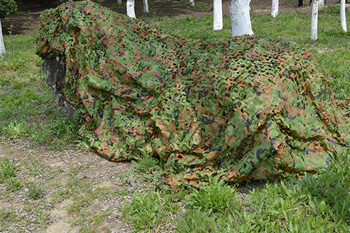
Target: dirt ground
[26,19]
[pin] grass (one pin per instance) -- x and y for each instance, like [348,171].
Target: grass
[27,107]
[316,203]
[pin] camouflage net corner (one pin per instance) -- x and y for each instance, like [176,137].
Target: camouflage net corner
[243,108]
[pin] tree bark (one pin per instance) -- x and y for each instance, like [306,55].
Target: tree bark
[2,45]
[274,8]
[145,6]
[240,17]
[130,8]
[217,15]
[342,16]
[314,19]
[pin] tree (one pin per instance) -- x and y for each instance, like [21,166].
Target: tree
[342,15]
[130,8]
[145,6]
[217,15]
[192,2]
[7,7]
[240,17]
[314,19]
[274,8]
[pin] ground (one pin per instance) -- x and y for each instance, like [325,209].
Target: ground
[80,173]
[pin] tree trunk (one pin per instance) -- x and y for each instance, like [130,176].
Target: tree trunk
[240,17]
[119,2]
[130,8]
[342,16]
[321,2]
[217,15]
[145,6]
[192,2]
[2,45]
[274,8]
[314,19]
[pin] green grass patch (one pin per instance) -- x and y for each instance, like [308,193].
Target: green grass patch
[27,108]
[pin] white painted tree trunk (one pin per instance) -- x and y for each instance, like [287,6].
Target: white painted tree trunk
[240,17]
[2,45]
[342,16]
[119,2]
[217,15]
[274,8]
[321,2]
[192,2]
[145,6]
[314,19]
[130,8]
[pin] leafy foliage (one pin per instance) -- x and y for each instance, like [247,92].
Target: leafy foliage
[7,7]
[216,197]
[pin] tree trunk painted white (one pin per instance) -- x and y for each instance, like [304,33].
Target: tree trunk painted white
[2,45]
[119,2]
[342,16]
[274,8]
[314,19]
[321,2]
[145,6]
[217,15]
[192,2]
[240,17]
[130,8]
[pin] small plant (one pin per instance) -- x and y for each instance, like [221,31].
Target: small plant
[147,164]
[6,216]
[35,190]
[216,197]
[10,29]
[14,184]
[129,177]
[16,128]
[148,211]
[195,221]
[8,168]
[34,168]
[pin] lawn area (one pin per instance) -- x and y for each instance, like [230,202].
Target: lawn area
[50,179]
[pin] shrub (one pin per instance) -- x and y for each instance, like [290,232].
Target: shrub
[7,7]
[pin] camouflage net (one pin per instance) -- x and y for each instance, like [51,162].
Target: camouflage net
[247,108]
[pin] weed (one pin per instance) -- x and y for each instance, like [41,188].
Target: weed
[6,216]
[34,168]
[215,197]
[148,210]
[13,184]
[147,164]
[129,177]
[35,190]
[8,168]
[16,128]
[196,221]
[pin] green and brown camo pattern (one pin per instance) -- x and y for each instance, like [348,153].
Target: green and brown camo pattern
[245,108]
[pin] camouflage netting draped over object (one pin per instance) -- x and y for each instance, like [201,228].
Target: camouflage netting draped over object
[246,108]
